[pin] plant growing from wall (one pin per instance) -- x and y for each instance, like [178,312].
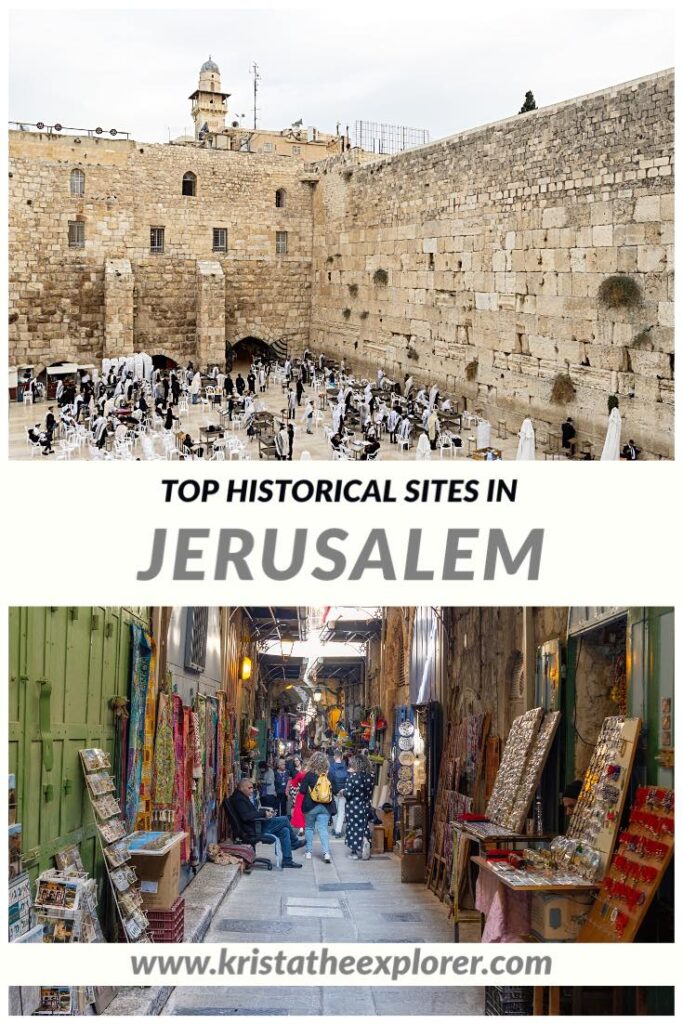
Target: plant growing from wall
[620,292]
[353,290]
[612,402]
[348,174]
[330,259]
[346,313]
[364,315]
[471,370]
[380,276]
[413,354]
[642,340]
[563,390]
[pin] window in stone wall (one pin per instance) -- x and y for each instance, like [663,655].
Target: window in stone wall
[189,184]
[296,150]
[220,239]
[76,234]
[280,198]
[157,239]
[281,243]
[267,147]
[77,182]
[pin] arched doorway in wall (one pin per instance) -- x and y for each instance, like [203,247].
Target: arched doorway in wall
[162,362]
[243,352]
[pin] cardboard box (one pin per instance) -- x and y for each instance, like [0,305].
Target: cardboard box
[158,878]
[413,867]
[378,839]
[558,918]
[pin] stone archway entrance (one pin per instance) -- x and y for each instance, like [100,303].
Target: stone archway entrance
[162,362]
[243,352]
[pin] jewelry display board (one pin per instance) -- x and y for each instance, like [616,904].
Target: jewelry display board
[503,799]
[644,852]
[111,830]
[533,769]
[600,805]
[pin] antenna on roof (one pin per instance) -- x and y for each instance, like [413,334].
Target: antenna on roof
[257,79]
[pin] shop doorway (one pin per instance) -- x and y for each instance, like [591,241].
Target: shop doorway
[597,687]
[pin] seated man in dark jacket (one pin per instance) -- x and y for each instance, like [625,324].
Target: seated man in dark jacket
[278,826]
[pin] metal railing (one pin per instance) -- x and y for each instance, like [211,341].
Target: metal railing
[50,129]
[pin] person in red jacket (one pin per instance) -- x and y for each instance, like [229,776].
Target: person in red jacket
[297,816]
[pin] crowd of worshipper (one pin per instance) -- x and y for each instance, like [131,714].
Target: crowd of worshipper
[131,400]
[293,800]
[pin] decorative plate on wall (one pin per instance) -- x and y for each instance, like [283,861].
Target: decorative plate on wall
[405,742]
[406,757]
[406,729]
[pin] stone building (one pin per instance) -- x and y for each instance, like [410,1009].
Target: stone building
[526,265]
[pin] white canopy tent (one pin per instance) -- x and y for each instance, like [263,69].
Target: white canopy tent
[611,449]
[526,449]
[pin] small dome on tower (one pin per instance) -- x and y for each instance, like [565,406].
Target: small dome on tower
[209,65]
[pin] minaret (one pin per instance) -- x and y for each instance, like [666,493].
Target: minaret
[209,104]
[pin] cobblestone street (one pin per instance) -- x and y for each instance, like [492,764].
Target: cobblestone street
[346,901]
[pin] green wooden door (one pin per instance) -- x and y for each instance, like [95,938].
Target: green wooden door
[65,666]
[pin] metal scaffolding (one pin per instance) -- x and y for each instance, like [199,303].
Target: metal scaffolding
[376,137]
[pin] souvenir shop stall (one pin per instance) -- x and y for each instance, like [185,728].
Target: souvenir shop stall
[596,882]
[412,773]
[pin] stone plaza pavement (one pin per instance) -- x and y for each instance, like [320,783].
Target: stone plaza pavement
[21,417]
[346,901]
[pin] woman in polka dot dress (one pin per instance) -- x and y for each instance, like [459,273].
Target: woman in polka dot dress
[358,792]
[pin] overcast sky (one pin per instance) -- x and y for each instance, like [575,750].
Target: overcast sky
[134,70]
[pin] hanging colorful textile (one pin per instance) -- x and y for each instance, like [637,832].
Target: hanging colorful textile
[220,748]
[141,651]
[188,736]
[163,805]
[144,818]
[179,817]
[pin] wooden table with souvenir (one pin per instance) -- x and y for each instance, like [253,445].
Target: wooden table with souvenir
[481,454]
[578,861]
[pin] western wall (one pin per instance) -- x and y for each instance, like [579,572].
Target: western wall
[478,262]
[525,265]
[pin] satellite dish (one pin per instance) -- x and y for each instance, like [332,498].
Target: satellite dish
[112,131]
[98,131]
[40,126]
[58,127]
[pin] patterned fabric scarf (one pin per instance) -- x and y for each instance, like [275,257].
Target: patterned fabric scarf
[144,818]
[139,678]
[179,819]
[164,767]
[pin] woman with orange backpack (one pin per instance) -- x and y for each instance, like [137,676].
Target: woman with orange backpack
[318,804]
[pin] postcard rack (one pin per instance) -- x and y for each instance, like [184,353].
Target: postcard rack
[112,834]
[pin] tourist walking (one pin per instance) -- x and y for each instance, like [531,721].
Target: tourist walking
[339,773]
[358,791]
[318,804]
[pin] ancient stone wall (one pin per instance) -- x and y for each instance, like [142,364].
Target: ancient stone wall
[57,293]
[525,265]
[478,262]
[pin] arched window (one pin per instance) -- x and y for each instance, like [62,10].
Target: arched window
[280,198]
[189,184]
[77,182]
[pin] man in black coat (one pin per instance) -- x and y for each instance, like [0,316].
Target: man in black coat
[275,825]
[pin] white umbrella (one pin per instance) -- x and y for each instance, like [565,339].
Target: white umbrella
[526,448]
[612,446]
